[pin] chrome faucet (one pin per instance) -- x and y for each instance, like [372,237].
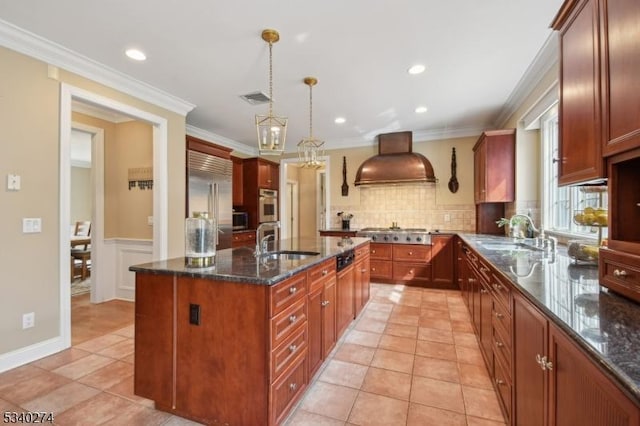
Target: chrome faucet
[261,244]
[541,241]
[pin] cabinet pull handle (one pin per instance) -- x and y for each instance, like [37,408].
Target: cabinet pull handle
[363,270]
[324,303]
[548,365]
[542,361]
[293,348]
[620,273]
[499,344]
[499,315]
[497,286]
[293,387]
[292,290]
[293,318]
[471,280]
[483,291]
[483,269]
[324,272]
[499,382]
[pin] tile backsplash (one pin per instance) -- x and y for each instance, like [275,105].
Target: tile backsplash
[411,206]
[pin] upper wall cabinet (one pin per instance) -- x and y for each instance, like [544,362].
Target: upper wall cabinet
[580,147]
[494,167]
[620,28]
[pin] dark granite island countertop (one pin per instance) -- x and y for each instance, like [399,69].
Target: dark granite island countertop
[240,265]
[605,325]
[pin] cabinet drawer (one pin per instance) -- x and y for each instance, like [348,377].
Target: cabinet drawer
[502,349]
[381,268]
[287,389]
[316,276]
[243,236]
[380,251]
[287,292]
[501,319]
[362,251]
[405,271]
[503,386]
[484,270]
[283,324]
[411,253]
[502,292]
[620,272]
[284,355]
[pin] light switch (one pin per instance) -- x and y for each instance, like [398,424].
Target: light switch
[150,220]
[13,182]
[31,225]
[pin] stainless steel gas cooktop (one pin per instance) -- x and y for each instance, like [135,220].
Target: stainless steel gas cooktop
[397,235]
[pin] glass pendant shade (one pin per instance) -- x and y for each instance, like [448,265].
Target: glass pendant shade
[272,130]
[311,149]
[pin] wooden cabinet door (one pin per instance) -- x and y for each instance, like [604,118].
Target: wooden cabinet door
[580,148]
[314,324]
[529,343]
[344,295]
[442,261]
[621,68]
[580,394]
[329,331]
[237,183]
[462,274]
[366,280]
[267,174]
[474,298]
[357,287]
[479,172]
[486,326]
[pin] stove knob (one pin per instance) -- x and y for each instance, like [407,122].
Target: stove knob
[386,238]
[373,238]
[419,239]
[408,238]
[395,238]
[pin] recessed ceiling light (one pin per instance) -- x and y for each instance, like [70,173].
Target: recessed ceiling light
[421,109]
[135,54]
[340,120]
[416,69]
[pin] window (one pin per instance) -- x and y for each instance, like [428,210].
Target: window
[564,206]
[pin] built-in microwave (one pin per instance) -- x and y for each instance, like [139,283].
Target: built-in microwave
[240,221]
[268,205]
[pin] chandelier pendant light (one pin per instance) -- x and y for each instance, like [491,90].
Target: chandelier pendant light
[310,150]
[272,130]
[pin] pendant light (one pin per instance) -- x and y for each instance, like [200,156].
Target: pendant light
[272,130]
[311,149]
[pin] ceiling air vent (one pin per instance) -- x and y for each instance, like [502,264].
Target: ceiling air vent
[256,98]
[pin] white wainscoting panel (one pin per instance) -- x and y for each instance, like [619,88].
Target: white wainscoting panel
[127,252]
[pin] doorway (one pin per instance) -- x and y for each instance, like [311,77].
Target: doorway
[291,199]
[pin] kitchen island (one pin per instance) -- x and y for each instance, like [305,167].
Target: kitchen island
[237,343]
[555,342]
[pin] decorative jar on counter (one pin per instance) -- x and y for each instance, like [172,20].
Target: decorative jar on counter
[200,245]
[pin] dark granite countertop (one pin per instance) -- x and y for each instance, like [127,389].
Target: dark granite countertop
[606,325]
[240,265]
[339,230]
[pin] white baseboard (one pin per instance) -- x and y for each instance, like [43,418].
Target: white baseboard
[31,353]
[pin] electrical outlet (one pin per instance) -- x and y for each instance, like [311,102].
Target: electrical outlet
[13,182]
[150,220]
[447,217]
[28,320]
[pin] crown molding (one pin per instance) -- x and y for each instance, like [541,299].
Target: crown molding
[30,44]
[221,140]
[546,58]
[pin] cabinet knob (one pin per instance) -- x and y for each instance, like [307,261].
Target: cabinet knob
[499,344]
[499,315]
[483,291]
[293,348]
[543,363]
[471,280]
[293,318]
[373,251]
[410,253]
[499,382]
[497,286]
[373,269]
[324,303]
[292,290]
[293,387]
[620,273]
[325,272]
[483,269]
[363,270]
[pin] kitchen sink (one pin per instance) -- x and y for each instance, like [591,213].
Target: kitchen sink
[290,255]
[510,247]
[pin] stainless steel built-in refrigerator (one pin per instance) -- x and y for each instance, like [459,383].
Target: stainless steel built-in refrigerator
[209,190]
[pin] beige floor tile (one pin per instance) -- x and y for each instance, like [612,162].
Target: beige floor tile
[6,406]
[380,307]
[329,400]
[388,383]
[462,315]
[437,393]
[61,398]
[305,418]
[83,366]
[119,350]
[180,421]
[391,360]
[125,389]
[33,387]
[375,315]
[437,298]
[363,338]
[128,331]
[469,355]
[102,408]
[476,421]
[427,314]
[371,409]
[10,378]
[100,343]
[401,330]
[138,415]
[436,350]
[421,415]
[129,358]
[109,375]
[465,339]
[437,323]
[358,354]
[61,358]
[434,335]
[459,308]
[398,344]
[409,300]
[406,310]
[462,326]
[474,375]
[344,374]
[370,325]
[436,369]
[404,319]
[482,403]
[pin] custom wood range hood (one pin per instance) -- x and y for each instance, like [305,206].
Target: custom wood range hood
[395,163]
